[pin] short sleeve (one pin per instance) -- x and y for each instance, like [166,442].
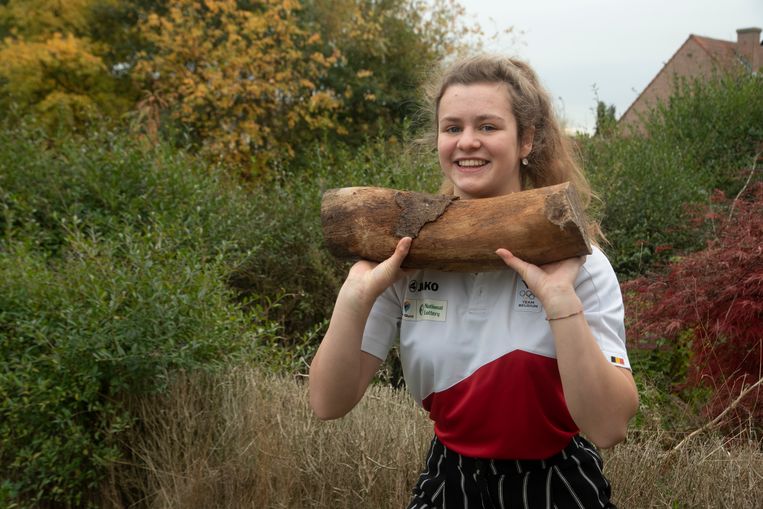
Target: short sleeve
[599,290]
[383,325]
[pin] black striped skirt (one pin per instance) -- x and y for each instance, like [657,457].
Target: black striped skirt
[572,479]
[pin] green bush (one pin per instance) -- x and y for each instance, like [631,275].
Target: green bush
[121,264]
[113,267]
[705,137]
[291,278]
[291,262]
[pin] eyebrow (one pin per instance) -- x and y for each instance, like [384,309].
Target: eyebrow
[479,118]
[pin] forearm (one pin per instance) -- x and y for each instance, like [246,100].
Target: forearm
[341,371]
[601,397]
[336,372]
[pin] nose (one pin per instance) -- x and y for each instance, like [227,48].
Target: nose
[468,140]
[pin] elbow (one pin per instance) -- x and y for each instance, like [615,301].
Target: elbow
[606,439]
[325,414]
[617,429]
[323,410]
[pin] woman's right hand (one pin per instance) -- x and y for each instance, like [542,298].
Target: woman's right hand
[367,280]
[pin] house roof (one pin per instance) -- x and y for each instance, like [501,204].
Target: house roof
[723,53]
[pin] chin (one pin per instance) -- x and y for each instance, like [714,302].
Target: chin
[469,188]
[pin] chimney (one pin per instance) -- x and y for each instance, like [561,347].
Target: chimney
[749,48]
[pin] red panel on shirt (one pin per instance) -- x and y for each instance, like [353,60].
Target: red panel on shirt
[511,408]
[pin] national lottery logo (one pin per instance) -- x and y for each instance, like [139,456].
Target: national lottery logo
[425,310]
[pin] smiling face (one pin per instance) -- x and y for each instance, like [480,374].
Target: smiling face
[477,141]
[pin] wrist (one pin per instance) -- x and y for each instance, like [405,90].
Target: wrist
[562,317]
[562,304]
[354,295]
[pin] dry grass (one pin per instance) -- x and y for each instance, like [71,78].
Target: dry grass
[246,440]
[711,472]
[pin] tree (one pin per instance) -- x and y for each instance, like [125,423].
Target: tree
[248,82]
[253,81]
[385,51]
[606,122]
[51,68]
[242,78]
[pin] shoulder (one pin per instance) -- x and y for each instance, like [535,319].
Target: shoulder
[598,263]
[597,271]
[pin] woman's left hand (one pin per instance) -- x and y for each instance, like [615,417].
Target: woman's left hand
[552,283]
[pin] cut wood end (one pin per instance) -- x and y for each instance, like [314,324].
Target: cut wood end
[563,209]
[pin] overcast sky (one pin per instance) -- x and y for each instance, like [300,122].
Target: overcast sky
[615,46]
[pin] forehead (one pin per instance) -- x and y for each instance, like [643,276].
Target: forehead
[477,99]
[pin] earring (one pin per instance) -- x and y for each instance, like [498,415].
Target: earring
[525,162]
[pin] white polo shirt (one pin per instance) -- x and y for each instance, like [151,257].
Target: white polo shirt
[478,354]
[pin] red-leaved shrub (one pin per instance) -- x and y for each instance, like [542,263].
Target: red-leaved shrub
[716,295]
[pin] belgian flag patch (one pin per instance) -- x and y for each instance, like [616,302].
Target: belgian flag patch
[617,360]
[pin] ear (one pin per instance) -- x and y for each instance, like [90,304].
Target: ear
[526,143]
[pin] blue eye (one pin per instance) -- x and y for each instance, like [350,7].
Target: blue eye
[488,127]
[452,129]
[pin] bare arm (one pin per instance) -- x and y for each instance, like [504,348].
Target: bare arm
[341,371]
[601,397]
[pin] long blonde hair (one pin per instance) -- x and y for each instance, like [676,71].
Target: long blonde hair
[553,159]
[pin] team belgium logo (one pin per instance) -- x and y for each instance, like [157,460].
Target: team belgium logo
[525,300]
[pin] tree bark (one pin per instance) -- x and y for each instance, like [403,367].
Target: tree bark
[539,226]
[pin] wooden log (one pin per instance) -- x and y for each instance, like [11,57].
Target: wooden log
[540,226]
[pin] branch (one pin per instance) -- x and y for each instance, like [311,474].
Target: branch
[744,187]
[720,416]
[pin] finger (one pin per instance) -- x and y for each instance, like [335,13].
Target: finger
[391,266]
[576,261]
[512,261]
[401,251]
[505,254]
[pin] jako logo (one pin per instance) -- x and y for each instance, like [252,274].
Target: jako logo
[420,286]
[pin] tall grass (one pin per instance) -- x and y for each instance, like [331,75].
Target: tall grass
[714,471]
[245,439]
[250,440]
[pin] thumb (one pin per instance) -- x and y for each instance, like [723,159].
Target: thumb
[391,266]
[401,250]
[520,266]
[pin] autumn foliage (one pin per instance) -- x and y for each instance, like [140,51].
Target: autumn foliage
[713,297]
[244,80]
[51,67]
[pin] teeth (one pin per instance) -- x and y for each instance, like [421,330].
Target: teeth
[472,162]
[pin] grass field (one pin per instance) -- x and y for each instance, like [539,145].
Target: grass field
[246,440]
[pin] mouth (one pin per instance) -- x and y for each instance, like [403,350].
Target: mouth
[471,164]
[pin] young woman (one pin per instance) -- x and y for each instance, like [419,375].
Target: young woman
[523,361]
